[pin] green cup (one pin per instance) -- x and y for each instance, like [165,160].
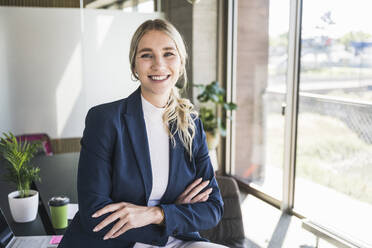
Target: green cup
[58,206]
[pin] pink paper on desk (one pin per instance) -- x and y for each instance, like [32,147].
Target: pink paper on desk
[55,239]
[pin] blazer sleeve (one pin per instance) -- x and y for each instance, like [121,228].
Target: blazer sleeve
[94,178]
[184,218]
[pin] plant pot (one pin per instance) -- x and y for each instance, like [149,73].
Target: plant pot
[24,209]
[212,140]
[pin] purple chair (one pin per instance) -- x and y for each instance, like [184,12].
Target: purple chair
[42,137]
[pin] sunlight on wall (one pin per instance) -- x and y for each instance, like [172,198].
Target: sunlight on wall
[55,75]
[103,26]
[69,89]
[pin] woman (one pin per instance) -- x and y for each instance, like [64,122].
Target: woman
[144,177]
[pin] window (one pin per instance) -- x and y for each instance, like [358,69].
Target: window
[334,139]
[333,145]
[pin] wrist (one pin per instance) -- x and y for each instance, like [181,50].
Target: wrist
[158,214]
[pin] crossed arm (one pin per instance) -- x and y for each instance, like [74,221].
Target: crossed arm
[100,216]
[133,216]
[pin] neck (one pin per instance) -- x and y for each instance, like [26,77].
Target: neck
[159,101]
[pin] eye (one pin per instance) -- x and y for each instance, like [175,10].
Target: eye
[146,55]
[168,54]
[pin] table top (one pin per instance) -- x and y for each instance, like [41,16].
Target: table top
[58,177]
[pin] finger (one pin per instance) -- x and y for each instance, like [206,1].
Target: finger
[109,219]
[125,228]
[108,209]
[191,186]
[181,199]
[205,198]
[115,228]
[196,190]
[201,196]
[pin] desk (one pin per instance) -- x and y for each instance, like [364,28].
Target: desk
[58,177]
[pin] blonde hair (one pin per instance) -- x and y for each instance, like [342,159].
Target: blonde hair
[179,111]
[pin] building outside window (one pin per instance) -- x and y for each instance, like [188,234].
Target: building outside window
[262,53]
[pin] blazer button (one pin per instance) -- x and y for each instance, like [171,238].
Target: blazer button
[175,232]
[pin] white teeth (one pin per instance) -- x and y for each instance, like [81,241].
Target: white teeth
[158,77]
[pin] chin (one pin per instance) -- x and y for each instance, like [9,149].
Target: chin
[161,92]
[161,88]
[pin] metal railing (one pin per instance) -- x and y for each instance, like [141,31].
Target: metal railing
[356,114]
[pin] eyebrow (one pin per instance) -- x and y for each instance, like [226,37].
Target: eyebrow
[150,50]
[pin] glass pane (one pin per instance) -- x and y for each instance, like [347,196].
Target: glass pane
[261,90]
[54,60]
[334,144]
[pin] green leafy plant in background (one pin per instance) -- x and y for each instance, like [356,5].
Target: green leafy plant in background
[211,97]
[19,155]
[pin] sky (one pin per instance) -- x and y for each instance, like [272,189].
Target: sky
[348,15]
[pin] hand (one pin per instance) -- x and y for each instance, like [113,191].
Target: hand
[129,215]
[192,193]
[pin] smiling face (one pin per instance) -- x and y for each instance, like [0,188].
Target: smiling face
[157,65]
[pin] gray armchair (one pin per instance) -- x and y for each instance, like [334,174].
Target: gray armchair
[230,230]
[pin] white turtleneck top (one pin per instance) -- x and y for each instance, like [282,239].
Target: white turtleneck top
[158,140]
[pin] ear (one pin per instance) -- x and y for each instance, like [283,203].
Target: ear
[134,71]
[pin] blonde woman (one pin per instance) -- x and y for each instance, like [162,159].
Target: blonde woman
[145,177]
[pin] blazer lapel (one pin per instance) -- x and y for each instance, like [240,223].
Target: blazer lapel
[138,136]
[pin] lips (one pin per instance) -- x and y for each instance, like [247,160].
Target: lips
[159,77]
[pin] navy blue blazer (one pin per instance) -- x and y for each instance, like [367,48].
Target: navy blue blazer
[114,166]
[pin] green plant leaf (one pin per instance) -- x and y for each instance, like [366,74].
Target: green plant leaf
[213,93]
[230,106]
[18,155]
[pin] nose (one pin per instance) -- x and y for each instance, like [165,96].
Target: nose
[158,63]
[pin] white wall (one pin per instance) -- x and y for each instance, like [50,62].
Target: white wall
[53,68]
[5,121]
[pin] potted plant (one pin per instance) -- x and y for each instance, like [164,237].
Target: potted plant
[23,202]
[211,97]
